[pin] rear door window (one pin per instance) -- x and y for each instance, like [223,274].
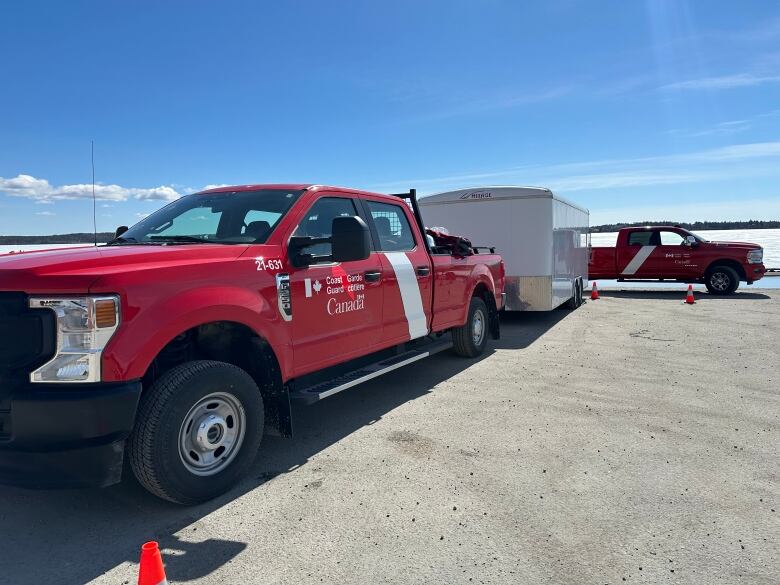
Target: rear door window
[642,238]
[392,226]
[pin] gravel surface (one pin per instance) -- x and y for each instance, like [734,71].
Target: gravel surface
[633,440]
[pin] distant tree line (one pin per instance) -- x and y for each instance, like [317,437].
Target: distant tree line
[697,225]
[80,238]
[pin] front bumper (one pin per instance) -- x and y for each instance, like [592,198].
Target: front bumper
[755,272]
[65,435]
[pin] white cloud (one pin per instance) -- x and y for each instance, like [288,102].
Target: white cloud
[45,213]
[41,191]
[739,161]
[142,215]
[217,186]
[720,129]
[723,82]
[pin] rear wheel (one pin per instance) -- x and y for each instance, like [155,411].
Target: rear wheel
[576,298]
[197,432]
[722,280]
[470,339]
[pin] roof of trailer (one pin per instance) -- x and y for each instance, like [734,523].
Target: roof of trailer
[493,193]
[490,192]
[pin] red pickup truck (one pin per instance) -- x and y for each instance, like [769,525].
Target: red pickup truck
[183,340]
[674,253]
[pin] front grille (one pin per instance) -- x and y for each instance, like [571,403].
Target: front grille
[27,339]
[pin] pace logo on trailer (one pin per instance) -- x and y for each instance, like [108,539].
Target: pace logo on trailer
[477,195]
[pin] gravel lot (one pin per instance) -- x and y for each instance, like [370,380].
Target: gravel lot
[634,440]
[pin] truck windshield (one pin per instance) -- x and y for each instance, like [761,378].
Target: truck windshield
[230,217]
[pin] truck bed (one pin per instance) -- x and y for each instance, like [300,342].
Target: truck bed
[602,262]
[455,278]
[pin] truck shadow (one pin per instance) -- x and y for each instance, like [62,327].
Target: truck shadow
[75,536]
[669,295]
[521,329]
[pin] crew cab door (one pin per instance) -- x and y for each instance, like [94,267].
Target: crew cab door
[337,308]
[631,259]
[407,271]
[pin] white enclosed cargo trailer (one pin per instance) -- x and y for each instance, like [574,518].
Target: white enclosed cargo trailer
[542,238]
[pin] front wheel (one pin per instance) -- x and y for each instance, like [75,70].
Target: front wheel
[722,280]
[470,339]
[197,431]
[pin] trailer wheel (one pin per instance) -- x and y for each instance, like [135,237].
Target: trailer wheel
[197,431]
[721,280]
[470,339]
[576,298]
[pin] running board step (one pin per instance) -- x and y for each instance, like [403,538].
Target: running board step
[333,386]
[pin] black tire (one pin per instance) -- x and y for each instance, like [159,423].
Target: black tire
[576,298]
[157,449]
[467,342]
[721,280]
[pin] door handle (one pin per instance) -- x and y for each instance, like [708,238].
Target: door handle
[423,270]
[373,275]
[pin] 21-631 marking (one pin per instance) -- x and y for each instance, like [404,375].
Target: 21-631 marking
[268,264]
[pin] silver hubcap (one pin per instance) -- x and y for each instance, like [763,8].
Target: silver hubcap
[478,327]
[720,281]
[211,434]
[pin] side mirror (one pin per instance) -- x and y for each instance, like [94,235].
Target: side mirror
[691,241]
[351,239]
[120,230]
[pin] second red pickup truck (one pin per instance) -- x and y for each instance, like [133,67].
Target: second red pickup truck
[183,341]
[674,253]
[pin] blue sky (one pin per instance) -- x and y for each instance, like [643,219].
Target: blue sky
[636,110]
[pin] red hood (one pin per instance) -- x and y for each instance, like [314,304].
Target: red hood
[745,245]
[75,270]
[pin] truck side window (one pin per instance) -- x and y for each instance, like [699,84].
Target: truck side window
[392,226]
[671,239]
[318,221]
[640,238]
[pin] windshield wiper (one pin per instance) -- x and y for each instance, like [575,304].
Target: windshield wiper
[182,239]
[122,240]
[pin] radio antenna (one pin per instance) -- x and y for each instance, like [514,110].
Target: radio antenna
[94,201]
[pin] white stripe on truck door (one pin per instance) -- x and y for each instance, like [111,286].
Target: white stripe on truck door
[638,260]
[410,293]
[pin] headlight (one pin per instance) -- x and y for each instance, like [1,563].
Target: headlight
[84,327]
[755,256]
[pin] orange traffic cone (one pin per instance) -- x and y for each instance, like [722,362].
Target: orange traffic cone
[689,300]
[594,292]
[151,571]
